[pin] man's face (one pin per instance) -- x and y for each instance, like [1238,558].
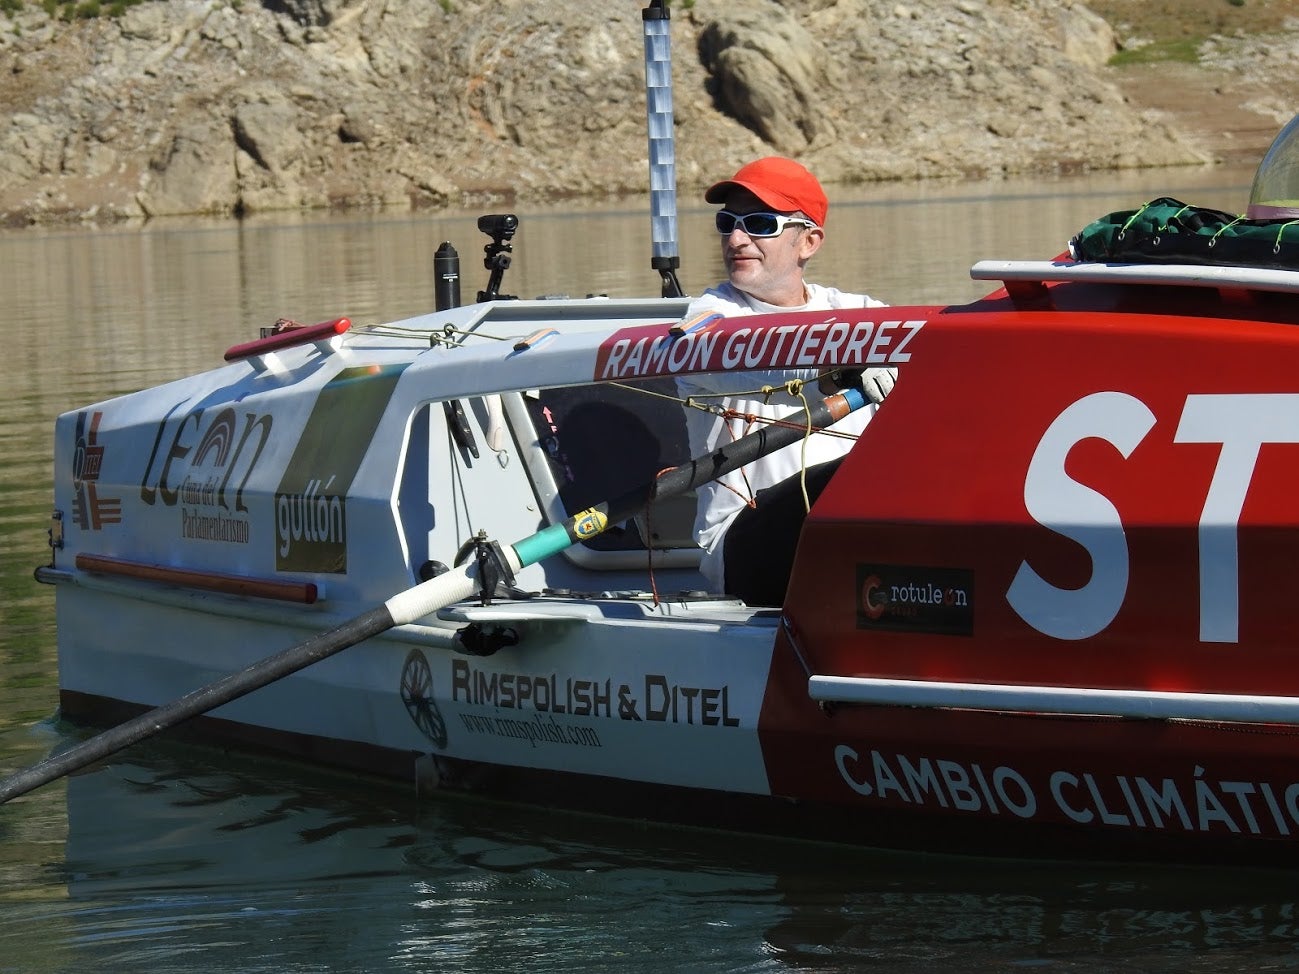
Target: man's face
[768,268]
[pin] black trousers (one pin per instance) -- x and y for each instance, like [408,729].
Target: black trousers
[760,544]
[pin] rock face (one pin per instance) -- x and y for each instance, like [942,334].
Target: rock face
[767,71]
[223,106]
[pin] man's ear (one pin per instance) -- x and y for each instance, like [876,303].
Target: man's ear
[810,242]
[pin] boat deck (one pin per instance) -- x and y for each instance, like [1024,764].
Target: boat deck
[1180,275]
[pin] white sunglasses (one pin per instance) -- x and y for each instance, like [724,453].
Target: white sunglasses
[758,224]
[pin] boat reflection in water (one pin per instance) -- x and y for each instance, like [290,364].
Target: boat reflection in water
[268,869]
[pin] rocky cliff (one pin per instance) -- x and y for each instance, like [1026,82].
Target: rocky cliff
[233,106]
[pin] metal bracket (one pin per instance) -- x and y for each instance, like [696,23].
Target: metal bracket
[55,533]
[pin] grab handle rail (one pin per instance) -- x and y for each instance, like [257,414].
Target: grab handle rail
[307,593]
[289,336]
[1081,701]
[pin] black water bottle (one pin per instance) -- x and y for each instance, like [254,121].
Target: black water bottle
[446,277]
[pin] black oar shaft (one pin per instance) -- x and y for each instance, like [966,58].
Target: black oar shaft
[732,456]
[584,525]
[199,701]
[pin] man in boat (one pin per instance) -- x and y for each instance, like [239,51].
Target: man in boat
[771,224]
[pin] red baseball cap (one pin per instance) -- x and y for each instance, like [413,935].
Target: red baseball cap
[781,183]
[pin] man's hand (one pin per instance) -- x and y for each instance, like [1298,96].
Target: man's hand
[875,384]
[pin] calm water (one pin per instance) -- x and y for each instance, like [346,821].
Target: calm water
[182,859]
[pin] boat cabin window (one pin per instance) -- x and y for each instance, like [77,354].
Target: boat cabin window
[597,442]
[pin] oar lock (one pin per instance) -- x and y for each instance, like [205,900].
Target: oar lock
[495,577]
[495,580]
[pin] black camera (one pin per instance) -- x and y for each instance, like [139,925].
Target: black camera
[499,225]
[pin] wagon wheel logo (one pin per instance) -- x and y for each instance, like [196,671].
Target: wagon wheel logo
[417,695]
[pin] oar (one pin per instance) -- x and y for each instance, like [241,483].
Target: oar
[434,594]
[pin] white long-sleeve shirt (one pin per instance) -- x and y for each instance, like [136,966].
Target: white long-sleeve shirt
[720,501]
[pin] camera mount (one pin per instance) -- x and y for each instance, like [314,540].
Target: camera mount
[500,227]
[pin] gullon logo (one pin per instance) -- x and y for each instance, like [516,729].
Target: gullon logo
[313,516]
[311,497]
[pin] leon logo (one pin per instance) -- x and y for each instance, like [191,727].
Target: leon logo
[311,500]
[914,598]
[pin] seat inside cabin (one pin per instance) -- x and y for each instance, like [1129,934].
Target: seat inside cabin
[603,440]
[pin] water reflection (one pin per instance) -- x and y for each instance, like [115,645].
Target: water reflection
[182,857]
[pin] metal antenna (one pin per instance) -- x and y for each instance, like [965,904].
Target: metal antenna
[662,150]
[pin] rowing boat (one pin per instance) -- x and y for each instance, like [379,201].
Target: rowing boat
[1049,617]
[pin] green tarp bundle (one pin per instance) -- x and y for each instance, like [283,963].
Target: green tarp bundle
[1168,231]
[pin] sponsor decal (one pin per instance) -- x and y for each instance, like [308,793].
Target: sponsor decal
[310,501]
[90,511]
[538,729]
[204,470]
[589,523]
[542,698]
[417,695]
[748,344]
[915,598]
[1193,802]
[1239,424]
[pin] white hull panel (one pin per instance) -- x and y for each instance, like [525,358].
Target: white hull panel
[559,701]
